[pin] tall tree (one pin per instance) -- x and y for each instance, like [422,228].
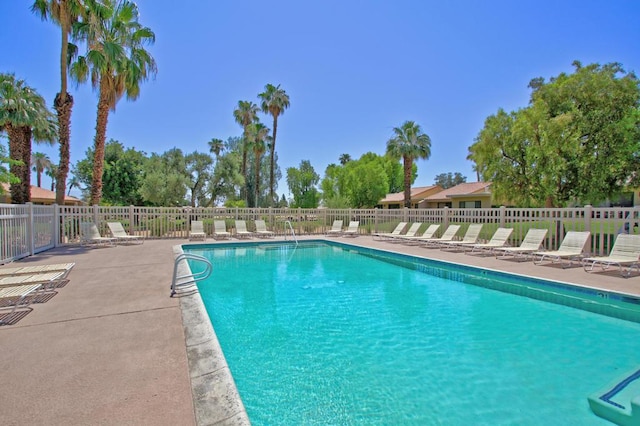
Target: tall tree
[258,134]
[449,180]
[73,183]
[198,174]
[52,172]
[344,159]
[302,183]
[274,101]
[23,115]
[245,114]
[40,162]
[63,13]
[216,146]
[577,140]
[117,62]
[409,143]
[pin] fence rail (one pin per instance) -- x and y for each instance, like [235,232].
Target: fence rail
[28,229]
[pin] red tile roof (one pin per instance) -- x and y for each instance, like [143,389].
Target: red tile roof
[41,195]
[459,190]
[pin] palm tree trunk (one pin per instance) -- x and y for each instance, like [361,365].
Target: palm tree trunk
[15,153]
[25,183]
[408,165]
[272,160]
[257,189]
[63,105]
[39,177]
[243,190]
[101,135]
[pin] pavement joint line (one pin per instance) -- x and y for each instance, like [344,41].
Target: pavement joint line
[90,317]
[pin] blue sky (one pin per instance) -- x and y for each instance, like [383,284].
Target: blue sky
[353,70]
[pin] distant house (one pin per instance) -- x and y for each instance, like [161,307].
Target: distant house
[418,194]
[464,196]
[40,196]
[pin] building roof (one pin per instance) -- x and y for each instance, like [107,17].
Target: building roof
[398,197]
[41,195]
[461,190]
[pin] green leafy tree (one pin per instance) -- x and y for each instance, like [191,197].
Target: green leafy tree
[63,13]
[165,180]
[274,101]
[226,181]
[199,169]
[449,180]
[579,139]
[409,143]
[122,177]
[40,162]
[366,183]
[216,146]
[5,164]
[302,183]
[73,183]
[116,61]
[23,116]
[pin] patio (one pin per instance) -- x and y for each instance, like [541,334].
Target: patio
[109,348]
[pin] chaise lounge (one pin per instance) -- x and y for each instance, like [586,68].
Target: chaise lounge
[625,252]
[572,248]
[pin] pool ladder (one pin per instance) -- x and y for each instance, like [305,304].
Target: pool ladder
[293,233]
[191,278]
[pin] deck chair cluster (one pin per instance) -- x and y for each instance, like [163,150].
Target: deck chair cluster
[220,231]
[23,285]
[337,230]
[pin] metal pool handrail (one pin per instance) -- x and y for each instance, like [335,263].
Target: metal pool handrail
[288,222]
[191,278]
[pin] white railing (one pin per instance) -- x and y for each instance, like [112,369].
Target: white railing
[29,229]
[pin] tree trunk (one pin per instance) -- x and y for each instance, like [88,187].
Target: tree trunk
[272,160]
[101,135]
[15,153]
[243,190]
[25,179]
[408,163]
[63,105]
[257,189]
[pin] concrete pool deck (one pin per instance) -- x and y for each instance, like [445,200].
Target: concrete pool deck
[109,348]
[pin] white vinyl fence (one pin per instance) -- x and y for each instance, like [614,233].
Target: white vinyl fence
[29,229]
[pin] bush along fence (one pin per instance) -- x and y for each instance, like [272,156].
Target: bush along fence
[28,229]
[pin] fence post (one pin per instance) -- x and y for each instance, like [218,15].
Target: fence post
[503,214]
[31,229]
[405,214]
[131,218]
[375,220]
[445,215]
[57,225]
[95,216]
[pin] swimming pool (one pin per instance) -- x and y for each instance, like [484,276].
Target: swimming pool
[326,333]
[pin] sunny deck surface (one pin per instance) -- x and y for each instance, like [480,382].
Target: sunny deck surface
[110,348]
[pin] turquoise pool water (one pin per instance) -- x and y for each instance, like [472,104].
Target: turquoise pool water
[325,335]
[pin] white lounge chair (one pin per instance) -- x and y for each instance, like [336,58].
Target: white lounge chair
[397,231]
[470,238]
[411,232]
[241,230]
[531,243]
[13,298]
[118,232]
[427,234]
[336,229]
[262,231]
[572,248]
[625,252]
[500,238]
[37,269]
[220,230]
[89,234]
[448,235]
[48,280]
[352,230]
[197,231]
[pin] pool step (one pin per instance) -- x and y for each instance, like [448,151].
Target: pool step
[620,402]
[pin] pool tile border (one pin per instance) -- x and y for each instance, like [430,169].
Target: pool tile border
[215,396]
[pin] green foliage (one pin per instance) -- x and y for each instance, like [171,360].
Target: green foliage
[579,139]
[366,183]
[5,174]
[449,180]
[226,180]
[302,182]
[198,173]
[165,180]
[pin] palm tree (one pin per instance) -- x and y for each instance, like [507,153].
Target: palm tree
[40,163]
[245,114]
[216,146]
[274,101]
[258,134]
[344,159]
[64,13]
[74,182]
[52,172]
[409,143]
[117,63]
[23,115]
